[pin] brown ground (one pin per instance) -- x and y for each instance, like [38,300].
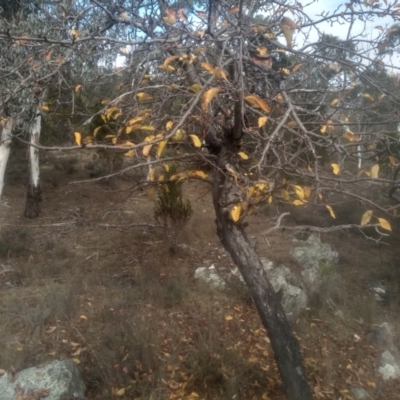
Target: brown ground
[93,279]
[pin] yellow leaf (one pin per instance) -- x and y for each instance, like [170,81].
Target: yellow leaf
[169,125]
[262,121]
[323,129]
[178,137]
[169,59]
[76,360]
[335,168]
[298,202]
[296,67]
[331,211]
[45,107]
[77,88]
[134,121]
[78,138]
[196,87]
[349,136]
[207,67]
[285,195]
[198,174]
[366,217]
[228,318]
[242,155]
[392,160]
[143,96]
[367,96]
[235,212]
[75,33]
[299,191]
[146,149]
[196,141]
[120,392]
[287,33]
[384,224]
[147,128]
[208,96]
[262,51]
[83,317]
[375,171]
[220,73]
[307,192]
[256,101]
[334,102]
[161,147]
[170,16]
[285,71]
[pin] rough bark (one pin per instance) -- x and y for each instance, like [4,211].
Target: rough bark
[284,344]
[33,196]
[6,127]
[32,203]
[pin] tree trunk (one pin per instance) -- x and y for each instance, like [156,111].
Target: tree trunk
[6,127]
[33,196]
[284,344]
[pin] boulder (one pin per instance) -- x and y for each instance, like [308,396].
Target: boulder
[389,366]
[382,337]
[318,262]
[209,275]
[58,380]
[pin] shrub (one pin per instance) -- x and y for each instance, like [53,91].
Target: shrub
[171,208]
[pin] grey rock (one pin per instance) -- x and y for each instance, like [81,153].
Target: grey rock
[293,296]
[318,261]
[382,337]
[359,393]
[381,293]
[389,366]
[209,275]
[61,379]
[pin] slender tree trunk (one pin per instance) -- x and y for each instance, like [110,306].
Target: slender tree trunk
[284,344]
[33,196]
[6,127]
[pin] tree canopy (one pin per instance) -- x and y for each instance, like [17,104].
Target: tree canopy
[292,108]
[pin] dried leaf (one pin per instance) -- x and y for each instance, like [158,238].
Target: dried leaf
[299,192]
[208,96]
[256,101]
[262,51]
[170,16]
[242,155]
[161,147]
[334,102]
[143,96]
[331,211]
[196,87]
[233,10]
[287,33]
[375,171]
[367,96]
[207,67]
[335,168]
[235,212]
[262,121]
[120,392]
[366,217]
[285,195]
[196,141]
[197,174]
[78,138]
[384,224]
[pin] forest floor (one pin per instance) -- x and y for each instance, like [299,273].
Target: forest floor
[93,279]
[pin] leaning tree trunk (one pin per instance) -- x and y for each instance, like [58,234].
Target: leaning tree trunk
[33,195]
[284,344]
[6,127]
